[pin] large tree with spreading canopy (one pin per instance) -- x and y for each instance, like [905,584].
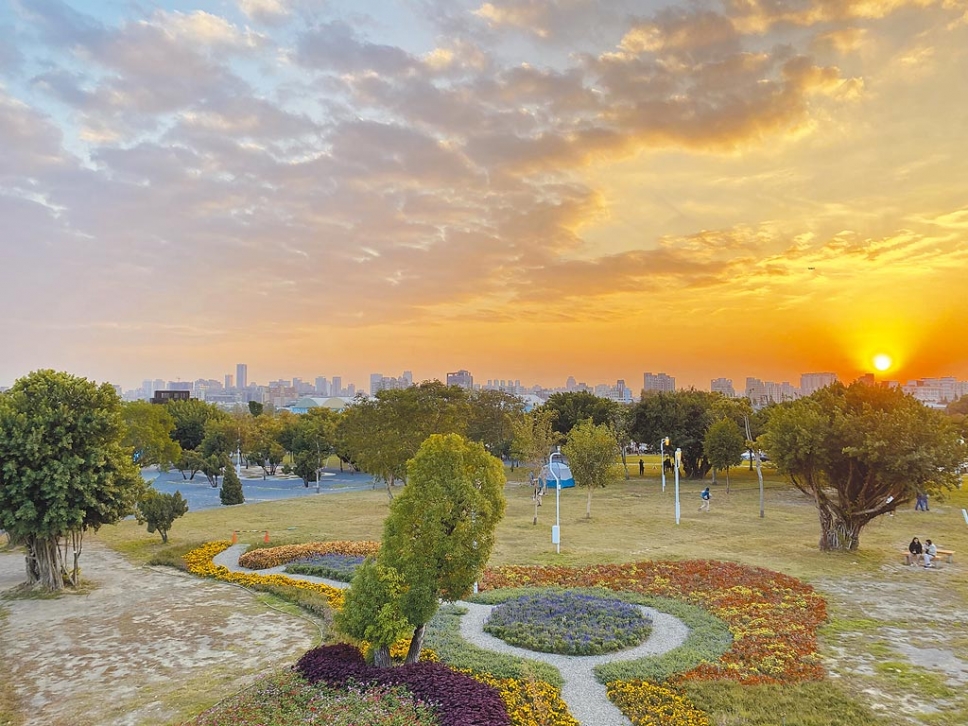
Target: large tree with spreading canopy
[860,452]
[63,470]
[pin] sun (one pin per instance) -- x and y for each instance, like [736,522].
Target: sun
[882,362]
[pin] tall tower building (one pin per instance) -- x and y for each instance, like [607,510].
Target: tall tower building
[464,379]
[724,386]
[337,387]
[229,381]
[813,382]
[242,375]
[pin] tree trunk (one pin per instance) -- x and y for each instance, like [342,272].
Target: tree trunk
[838,533]
[381,657]
[588,504]
[389,481]
[45,568]
[714,476]
[416,644]
[625,464]
[727,480]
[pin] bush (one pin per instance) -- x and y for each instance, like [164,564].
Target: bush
[334,566]
[231,491]
[159,510]
[459,699]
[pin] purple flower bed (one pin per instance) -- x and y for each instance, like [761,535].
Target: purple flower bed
[460,700]
[332,565]
[568,623]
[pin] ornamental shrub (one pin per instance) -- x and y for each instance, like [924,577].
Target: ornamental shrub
[231,491]
[331,565]
[158,510]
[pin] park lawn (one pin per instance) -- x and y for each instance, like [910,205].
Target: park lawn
[634,520]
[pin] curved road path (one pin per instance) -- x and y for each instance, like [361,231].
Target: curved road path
[585,696]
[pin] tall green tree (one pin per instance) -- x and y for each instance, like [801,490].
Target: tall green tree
[159,510]
[724,445]
[573,407]
[683,416]
[860,452]
[381,433]
[190,417]
[440,530]
[372,610]
[63,470]
[590,451]
[314,442]
[148,429]
[492,414]
[264,447]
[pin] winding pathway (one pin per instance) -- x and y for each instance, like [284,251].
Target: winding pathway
[586,697]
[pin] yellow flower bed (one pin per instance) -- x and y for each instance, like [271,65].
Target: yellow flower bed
[199,562]
[529,702]
[647,704]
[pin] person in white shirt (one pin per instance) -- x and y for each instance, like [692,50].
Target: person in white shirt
[930,552]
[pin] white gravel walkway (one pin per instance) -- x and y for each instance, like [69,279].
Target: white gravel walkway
[585,696]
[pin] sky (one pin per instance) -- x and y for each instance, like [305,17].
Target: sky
[525,189]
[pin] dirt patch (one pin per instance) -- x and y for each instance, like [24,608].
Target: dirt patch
[126,652]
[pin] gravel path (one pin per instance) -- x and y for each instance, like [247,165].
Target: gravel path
[585,696]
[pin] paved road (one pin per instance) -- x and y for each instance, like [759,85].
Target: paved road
[201,495]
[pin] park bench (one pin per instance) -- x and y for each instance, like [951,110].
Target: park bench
[949,555]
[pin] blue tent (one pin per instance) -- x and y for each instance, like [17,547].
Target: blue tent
[547,476]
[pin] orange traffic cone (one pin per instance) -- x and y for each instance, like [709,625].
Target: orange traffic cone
[266,537]
[235,537]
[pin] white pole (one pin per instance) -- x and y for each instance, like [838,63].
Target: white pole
[964,513]
[662,461]
[678,462]
[556,535]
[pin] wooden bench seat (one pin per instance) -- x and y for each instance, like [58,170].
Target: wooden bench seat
[949,555]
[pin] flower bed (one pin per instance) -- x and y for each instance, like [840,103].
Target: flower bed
[262,559]
[333,565]
[773,617]
[648,704]
[568,623]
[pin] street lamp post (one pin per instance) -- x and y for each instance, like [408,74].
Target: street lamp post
[678,462]
[556,530]
[662,444]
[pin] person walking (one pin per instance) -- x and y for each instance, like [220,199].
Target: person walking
[641,468]
[706,497]
[914,551]
[930,552]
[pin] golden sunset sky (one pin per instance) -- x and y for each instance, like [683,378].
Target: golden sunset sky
[525,189]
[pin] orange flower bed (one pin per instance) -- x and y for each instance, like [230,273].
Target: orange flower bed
[773,617]
[262,559]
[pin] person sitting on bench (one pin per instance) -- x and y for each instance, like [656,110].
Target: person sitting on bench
[915,549]
[930,552]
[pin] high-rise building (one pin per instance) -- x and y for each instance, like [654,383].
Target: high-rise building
[464,379]
[229,380]
[376,383]
[242,375]
[337,387]
[322,386]
[724,386]
[659,382]
[813,382]
[570,383]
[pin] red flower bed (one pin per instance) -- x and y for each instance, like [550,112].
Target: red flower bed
[773,617]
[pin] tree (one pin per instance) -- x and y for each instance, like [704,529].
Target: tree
[491,416]
[683,416]
[590,451]
[231,491]
[572,407]
[158,510]
[382,433]
[190,417]
[371,610]
[533,440]
[63,470]
[264,447]
[440,530]
[860,452]
[256,408]
[148,434]
[314,442]
[217,445]
[189,464]
[723,446]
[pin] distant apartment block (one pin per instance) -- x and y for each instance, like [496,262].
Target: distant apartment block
[936,391]
[380,382]
[242,375]
[229,380]
[658,382]
[762,393]
[461,378]
[813,382]
[724,386]
[173,395]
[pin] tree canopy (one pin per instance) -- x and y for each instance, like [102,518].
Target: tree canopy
[190,417]
[723,445]
[159,510]
[572,407]
[860,452]
[683,416]
[590,450]
[63,469]
[148,434]
[440,530]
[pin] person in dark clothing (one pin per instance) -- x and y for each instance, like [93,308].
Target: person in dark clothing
[641,467]
[914,551]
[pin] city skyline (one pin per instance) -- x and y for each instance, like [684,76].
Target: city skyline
[519,188]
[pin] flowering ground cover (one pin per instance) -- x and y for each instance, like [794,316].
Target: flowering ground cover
[266,557]
[772,618]
[287,699]
[569,623]
[334,565]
